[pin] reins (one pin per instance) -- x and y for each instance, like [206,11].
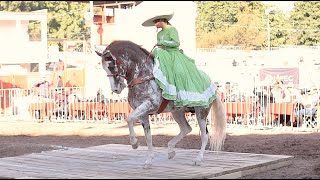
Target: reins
[146,60]
[134,81]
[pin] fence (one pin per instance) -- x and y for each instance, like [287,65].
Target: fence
[69,105]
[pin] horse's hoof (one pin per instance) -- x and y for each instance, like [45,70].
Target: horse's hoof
[135,146]
[147,166]
[197,162]
[171,154]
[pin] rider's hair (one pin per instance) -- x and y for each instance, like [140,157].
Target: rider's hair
[162,20]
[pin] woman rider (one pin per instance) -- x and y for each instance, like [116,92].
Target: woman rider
[176,73]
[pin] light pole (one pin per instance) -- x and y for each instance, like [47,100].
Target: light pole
[268,12]
[92,38]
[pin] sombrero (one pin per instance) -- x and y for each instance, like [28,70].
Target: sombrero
[150,22]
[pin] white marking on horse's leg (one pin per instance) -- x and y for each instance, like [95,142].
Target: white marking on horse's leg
[204,141]
[132,135]
[185,128]
[132,118]
[201,117]
[141,112]
[147,133]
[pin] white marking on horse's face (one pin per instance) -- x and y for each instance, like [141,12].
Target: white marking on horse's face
[105,68]
[116,83]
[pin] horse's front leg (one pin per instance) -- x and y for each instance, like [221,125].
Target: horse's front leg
[132,135]
[132,118]
[147,133]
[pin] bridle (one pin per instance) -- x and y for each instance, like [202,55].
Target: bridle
[135,80]
[115,62]
[116,74]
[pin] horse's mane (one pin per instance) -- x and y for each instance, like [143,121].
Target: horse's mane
[123,46]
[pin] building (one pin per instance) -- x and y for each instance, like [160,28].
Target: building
[123,21]
[18,46]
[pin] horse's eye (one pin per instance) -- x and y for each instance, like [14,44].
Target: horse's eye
[111,67]
[117,77]
[107,58]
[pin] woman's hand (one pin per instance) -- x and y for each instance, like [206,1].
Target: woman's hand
[158,45]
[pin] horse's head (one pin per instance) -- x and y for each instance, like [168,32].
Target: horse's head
[115,72]
[125,60]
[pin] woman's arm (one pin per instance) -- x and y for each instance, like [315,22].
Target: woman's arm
[173,41]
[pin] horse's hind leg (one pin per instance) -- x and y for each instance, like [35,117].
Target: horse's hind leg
[201,115]
[185,128]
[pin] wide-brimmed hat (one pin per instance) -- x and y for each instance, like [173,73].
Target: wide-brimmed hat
[150,22]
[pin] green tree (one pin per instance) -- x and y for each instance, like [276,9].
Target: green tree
[246,32]
[229,23]
[241,23]
[279,29]
[305,19]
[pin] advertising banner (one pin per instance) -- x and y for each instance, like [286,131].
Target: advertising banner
[285,74]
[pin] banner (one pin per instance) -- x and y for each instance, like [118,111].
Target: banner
[285,74]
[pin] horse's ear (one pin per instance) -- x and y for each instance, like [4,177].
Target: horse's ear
[98,53]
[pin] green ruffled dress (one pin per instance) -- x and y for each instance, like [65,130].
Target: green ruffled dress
[177,74]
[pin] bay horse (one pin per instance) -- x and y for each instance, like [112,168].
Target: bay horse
[129,65]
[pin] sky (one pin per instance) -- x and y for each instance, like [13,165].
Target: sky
[286,6]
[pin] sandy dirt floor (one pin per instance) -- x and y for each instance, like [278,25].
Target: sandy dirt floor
[19,138]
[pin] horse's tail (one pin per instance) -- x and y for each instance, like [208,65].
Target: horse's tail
[218,125]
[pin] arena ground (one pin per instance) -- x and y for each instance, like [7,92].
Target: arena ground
[19,138]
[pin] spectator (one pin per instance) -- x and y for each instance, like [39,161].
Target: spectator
[60,66]
[226,93]
[60,83]
[236,94]
[44,87]
[295,94]
[310,106]
[280,92]
[219,93]
[264,95]
[217,84]
[75,94]
[100,97]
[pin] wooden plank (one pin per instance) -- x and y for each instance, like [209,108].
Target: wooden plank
[121,161]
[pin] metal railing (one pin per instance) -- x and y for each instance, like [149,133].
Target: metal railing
[69,105]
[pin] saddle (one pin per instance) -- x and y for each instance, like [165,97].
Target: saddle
[164,104]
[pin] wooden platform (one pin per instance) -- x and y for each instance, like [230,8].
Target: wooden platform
[122,162]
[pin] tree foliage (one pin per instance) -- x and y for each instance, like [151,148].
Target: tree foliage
[305,19]
[244,23]
[218,23]
[230,23]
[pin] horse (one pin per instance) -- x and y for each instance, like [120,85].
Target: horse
[130,65]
